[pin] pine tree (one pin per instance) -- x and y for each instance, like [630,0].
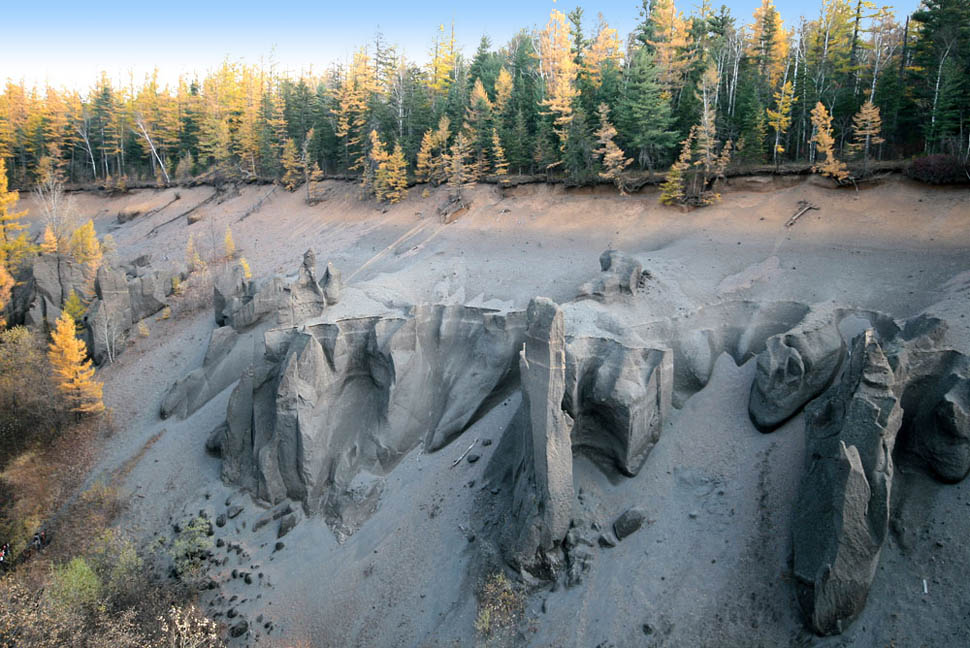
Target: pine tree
[14,245]
[230,245]
[393,174]
[73,370]
[780,118]
[644,116]
[614,161]
[291,165]
[825,145]
[866,126]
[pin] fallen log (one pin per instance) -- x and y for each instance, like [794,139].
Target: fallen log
[803,207]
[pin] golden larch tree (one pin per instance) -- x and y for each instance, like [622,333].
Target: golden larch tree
[460,169]
[49,243]
[559,71]
[499,163]
[372,181]
[768,44]
[292,169]
[614,161]
[503,90]
[6,285]
[229,243]
[86,249]
[431,161]
[14,245]
[73,370]
[866,127]
[604,49]
[780,118]
[394,175]
[825,145]
[671,44]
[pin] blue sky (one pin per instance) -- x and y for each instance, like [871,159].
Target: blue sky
[67,43]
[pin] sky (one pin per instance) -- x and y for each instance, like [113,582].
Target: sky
[68,43]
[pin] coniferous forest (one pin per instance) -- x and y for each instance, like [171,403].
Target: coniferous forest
[573,100]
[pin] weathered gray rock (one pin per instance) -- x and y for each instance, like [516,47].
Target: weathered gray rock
[618,397]
[331,284]
[229,354]
[147,293]
[535,454]
[38,296]
[794,368]
[229,284]
[109,317]
[427,374]
[629,522]
[934,386]
[620,277]
[304,297]
[941,428]
[842,509]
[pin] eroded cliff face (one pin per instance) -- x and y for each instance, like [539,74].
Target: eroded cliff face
[327,401]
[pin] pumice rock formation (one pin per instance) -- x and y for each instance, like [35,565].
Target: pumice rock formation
[842,511]
[329,399]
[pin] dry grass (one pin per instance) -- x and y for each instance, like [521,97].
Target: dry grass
[500,608]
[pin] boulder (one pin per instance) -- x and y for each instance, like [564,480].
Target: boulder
[794,368]
[842,508]
[629,523]
[620,277]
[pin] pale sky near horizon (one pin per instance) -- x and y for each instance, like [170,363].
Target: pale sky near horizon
[68,43]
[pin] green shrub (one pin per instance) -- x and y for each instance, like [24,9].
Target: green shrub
[190,548]
[74,586]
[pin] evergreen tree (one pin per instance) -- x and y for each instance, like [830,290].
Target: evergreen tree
[74,307]
[645,112]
